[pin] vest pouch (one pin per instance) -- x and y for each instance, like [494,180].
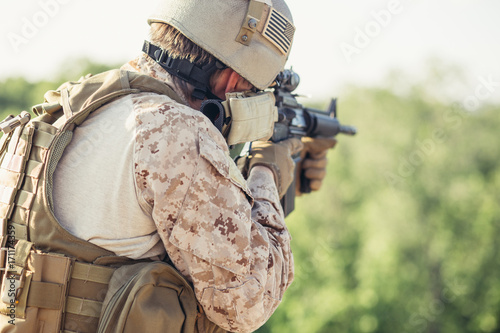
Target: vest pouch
[33,296]
[148,297]
[252,116]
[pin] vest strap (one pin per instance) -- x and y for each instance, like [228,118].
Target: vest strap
[46,295]
[92,273]
[83,307]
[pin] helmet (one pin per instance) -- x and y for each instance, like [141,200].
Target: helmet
[253,37]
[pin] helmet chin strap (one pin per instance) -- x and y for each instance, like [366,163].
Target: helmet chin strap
[196,75]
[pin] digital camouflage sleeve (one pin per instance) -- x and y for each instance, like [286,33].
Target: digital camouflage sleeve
[225,234]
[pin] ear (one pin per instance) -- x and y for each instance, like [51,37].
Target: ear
[226,82]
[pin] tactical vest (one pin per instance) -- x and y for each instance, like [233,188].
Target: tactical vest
[52,281]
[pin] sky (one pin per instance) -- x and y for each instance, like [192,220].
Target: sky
[336,43]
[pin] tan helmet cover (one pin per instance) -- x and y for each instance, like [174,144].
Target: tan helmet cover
[253,37]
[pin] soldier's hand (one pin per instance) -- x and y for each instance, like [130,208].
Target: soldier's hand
[278,158]
[313,161]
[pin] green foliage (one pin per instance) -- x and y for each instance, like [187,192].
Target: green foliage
[18,94]
[403,237]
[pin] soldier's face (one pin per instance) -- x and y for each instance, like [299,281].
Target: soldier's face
[242,85]
[229,81]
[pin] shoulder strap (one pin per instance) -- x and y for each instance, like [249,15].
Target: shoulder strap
[78,99]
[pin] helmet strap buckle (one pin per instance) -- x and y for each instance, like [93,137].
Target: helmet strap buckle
[196,75]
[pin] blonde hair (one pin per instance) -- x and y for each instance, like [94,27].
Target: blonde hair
[178,45]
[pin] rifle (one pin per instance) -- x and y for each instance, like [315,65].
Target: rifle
[294,120]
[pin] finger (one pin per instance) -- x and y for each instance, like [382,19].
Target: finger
[317,155]
[315,185]
[294,145]
[315,173]
[318,144]
[314,163]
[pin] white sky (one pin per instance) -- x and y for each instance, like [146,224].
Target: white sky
[464,32]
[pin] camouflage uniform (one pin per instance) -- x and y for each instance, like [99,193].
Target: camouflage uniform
[225,234]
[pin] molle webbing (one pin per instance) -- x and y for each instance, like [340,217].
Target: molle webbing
[66,294]
[19,177]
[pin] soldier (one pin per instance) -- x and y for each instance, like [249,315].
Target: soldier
[148,176]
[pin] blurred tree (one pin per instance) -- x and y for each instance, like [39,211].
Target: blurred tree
[403,236]
[17,94]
